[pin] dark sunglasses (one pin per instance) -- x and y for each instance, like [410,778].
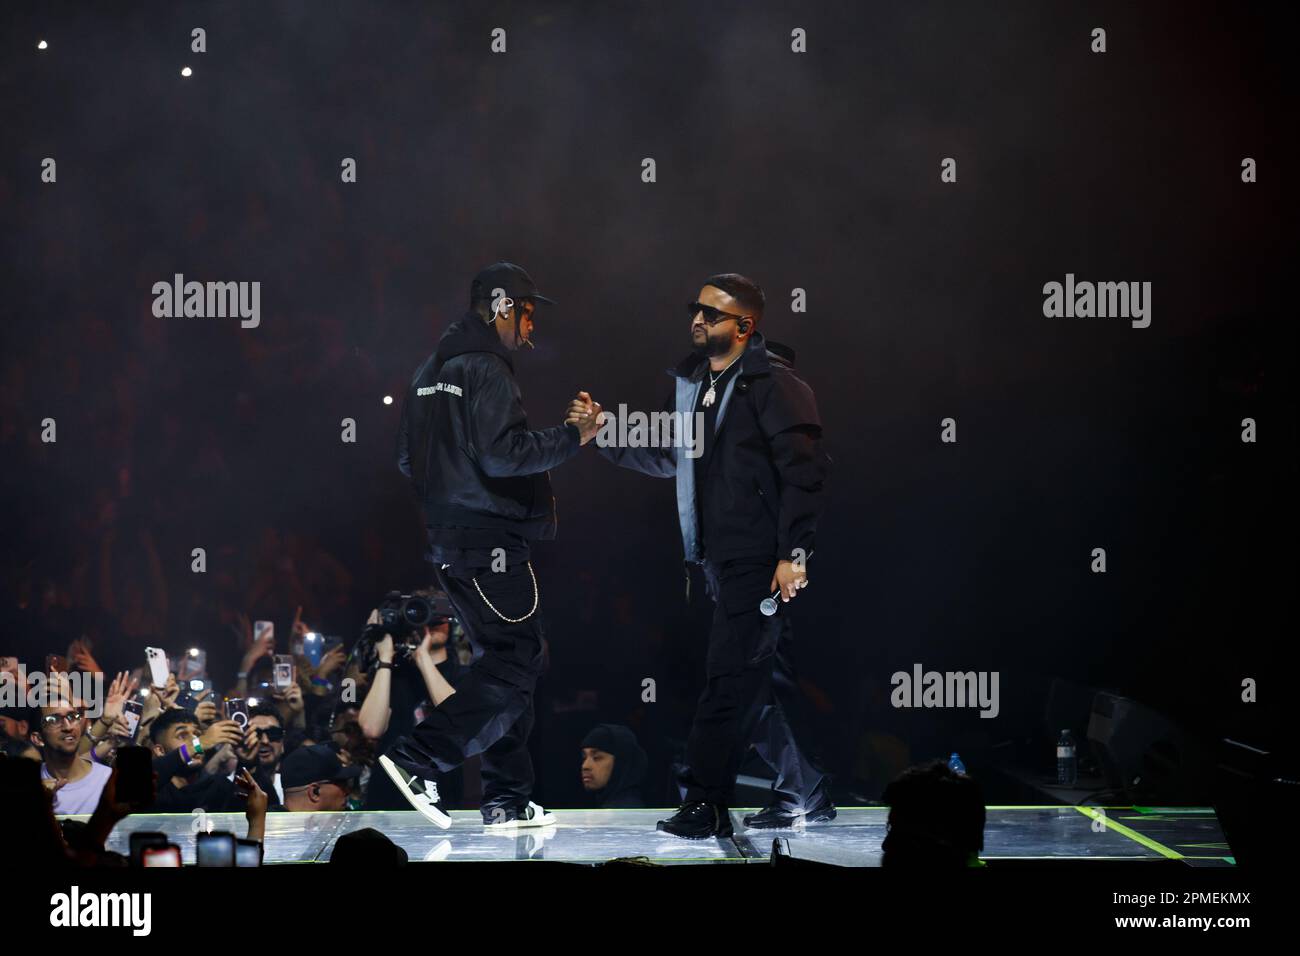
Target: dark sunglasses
[72,717]
[273,734]
[712,316]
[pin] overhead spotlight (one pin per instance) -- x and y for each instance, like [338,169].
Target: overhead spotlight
[42,45]
[186,71]
[388,399]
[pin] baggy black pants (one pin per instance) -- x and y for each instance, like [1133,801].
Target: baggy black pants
[491,712]
[748,694]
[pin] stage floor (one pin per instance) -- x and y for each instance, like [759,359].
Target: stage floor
[1189,834]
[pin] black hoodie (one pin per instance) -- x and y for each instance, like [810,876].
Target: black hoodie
[624,787]
[464,440]
[762,489]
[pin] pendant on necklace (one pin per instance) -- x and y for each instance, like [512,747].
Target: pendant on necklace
[709,396]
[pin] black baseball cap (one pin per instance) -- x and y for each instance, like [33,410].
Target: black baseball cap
[314,764]
[508,277]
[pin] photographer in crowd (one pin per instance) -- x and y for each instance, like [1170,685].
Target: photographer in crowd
[405,681]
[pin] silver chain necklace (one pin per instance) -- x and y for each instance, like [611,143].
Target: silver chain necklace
[711,395]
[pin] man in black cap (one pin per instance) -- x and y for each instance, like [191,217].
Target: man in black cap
[314,778]
[749,493]
[482,477]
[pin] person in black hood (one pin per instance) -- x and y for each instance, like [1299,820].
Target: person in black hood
[749,466]
[482,478]
[613,766]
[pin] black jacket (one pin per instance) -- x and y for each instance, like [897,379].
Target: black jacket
[465,443]
[214,793]
[762,490]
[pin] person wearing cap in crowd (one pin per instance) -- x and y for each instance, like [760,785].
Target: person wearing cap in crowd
[750,480]
[613,766]
[481,475]
[314,778]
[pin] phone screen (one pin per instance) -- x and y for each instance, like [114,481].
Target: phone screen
[193,664]
[132,711]
[216,849]
[313,645]
[283,672]
[142,840]
[248,853]
[169,855]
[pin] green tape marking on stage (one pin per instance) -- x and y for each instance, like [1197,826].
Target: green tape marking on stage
[1173,810]
[1146,841]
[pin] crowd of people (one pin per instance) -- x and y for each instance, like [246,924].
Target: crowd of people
[311,744]
[300,738]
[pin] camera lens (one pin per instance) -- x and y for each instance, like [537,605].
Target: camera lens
[417,612]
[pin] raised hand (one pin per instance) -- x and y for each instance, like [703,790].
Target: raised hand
[205,710]
[123,686]
[79,656]
[332,661]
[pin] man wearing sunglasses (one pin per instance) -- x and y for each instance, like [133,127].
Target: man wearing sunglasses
[748,505]
[75,779]
[262,749]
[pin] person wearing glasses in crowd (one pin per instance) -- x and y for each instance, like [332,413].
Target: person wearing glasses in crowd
[75,779]
[747,505]
[263,750]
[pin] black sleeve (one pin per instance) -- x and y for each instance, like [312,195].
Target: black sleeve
[168,766]
[792,426]
[655,462]
[502,443]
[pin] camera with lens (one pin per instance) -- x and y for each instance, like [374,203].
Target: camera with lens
[404,617]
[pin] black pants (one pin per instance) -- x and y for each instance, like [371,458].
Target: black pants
[748,693]
[491,712]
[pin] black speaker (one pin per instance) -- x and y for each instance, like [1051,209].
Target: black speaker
[1144,755]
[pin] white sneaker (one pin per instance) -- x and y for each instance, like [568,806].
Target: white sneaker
[420,793]
[532,816]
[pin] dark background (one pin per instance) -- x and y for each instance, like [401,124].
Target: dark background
[818,171]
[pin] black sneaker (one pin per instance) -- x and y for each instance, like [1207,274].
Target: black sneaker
[420,793]
[698,821]
[784,817]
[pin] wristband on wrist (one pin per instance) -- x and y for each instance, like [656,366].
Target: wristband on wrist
[198,746]
[185,753]
[386,665]
[241,675]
